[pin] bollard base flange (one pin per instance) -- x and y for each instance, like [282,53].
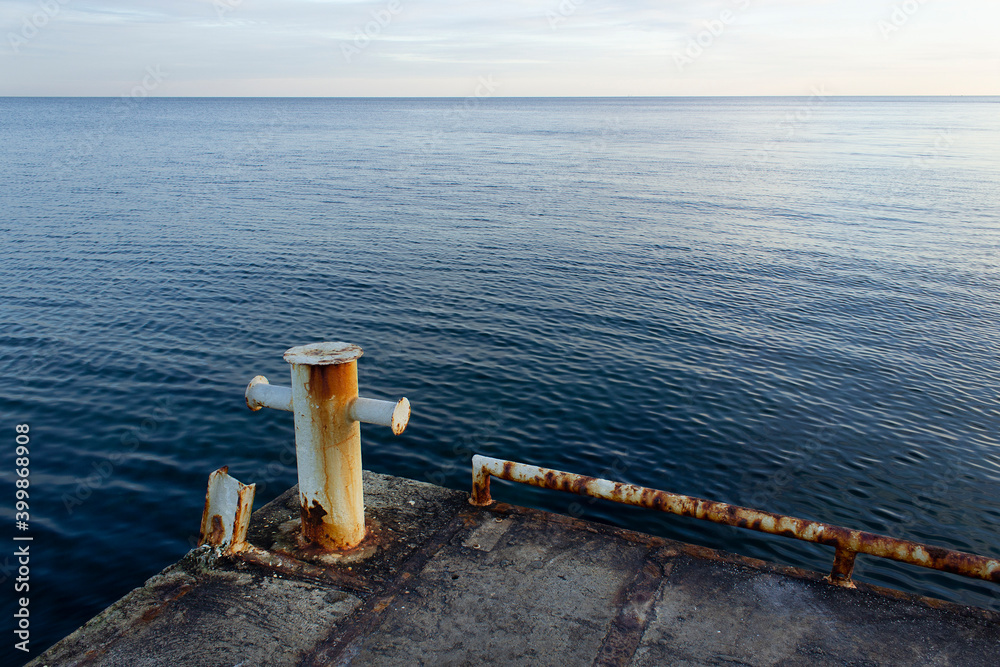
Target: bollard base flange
[289,541]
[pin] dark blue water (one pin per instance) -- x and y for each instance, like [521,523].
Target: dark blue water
[789,303]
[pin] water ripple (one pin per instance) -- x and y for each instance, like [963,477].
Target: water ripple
[813,336]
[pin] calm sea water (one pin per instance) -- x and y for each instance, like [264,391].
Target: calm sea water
[789,303]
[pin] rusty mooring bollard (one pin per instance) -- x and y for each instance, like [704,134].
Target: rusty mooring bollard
[328,411]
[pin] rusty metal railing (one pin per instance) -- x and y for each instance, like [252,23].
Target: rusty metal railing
[848,543]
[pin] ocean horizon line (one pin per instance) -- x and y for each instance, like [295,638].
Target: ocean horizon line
[504,97]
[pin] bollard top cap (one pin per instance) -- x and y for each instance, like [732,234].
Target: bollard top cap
[323,354]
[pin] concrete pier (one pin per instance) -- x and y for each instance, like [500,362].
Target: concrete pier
[444,583]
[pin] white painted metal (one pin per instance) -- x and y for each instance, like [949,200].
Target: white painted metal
[384,413]
[324,400]
[323,354]
[261,394]
[847,542]
[228,505]
[328,453]
[396,415]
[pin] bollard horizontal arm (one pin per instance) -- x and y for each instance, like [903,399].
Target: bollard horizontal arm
[384,413]
[261,394]
[396,415]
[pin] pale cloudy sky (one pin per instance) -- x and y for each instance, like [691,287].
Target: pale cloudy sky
[520,47]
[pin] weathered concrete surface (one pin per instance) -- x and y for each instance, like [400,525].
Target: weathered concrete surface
[452,584]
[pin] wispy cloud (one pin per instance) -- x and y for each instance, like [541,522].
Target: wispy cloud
[434,47]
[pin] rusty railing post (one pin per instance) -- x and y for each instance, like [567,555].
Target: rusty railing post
[228,504]
[480,482]
[843,567]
